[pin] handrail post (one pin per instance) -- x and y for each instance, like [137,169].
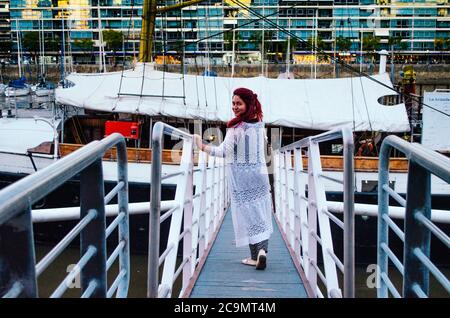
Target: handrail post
[201,188]
[187,211]
[298,204]
[18,197]
[288,221]
[417,226]
[317,214]
[124,235]
[18,265]
[416,235]
[349,218]
[316,193]
[312,225]
[155,210]
[383,208]
[92,198]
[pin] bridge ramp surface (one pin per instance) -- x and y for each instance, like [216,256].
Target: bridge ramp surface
[223,275]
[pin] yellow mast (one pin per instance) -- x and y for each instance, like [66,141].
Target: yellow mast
[150,10]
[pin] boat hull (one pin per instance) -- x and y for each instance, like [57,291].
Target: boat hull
[11,92]
[44,92]
[365,227]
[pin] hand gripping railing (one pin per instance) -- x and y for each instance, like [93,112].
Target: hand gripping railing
[18,269]
[418,225]
[298,214]
[200,213]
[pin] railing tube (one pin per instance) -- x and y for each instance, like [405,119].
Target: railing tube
[155,210]
[349,219]
[383,206]
[124,233]
[93,235]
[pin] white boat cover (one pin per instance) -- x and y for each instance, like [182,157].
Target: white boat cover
[19,135]
[321,104]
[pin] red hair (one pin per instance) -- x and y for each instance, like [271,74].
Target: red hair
[253,109]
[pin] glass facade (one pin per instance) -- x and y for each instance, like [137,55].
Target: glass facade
[419,24]
[5,25]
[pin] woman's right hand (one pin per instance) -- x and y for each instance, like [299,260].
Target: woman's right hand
[198,141]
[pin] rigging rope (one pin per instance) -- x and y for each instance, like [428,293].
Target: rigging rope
[128,34]
[164,35]
[344,64]
[351,74]
[195,56]
[182,56]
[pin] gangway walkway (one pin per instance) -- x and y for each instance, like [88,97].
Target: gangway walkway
[224,276]
[199,221]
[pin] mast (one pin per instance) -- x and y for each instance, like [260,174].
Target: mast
[18,49]
[315,42]
[150,10]
[288,53]
[100,40]
[262,46]
[233,55]
[63,53]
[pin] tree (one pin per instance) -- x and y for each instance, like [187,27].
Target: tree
[228,40]
[393,42]
[5,47]
[317,45]
[30,43]
[343,44]
[371,43]
[256,39]
[293,43]
[113,40]
[84,45]
[440,44]
[320,44]
[403,46]
[53,45]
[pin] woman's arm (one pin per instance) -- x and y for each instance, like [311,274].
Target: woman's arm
[217,151]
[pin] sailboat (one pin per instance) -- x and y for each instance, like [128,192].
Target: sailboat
[44,88]
[2,89]
[18,87]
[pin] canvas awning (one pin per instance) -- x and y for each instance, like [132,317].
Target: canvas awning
[320,104]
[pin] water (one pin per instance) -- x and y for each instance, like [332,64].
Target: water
[58,270]
[53,276]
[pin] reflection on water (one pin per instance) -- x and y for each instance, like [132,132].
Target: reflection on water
[53,276]
[58,270]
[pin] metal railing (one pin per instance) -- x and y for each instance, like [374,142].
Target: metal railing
[299,212]
[19,271]
[199,213]
[418,225]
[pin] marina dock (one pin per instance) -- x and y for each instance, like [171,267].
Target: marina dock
[199,252]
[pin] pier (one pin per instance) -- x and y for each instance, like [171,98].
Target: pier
[199,251]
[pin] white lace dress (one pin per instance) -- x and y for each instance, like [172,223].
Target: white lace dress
[248,182]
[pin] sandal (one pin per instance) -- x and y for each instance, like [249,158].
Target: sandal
[248,261]
[262,260]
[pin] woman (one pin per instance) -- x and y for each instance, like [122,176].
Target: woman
[248,181]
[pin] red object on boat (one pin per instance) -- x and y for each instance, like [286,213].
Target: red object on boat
[128,129]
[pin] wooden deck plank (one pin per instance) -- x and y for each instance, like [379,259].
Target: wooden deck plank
[223,275]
